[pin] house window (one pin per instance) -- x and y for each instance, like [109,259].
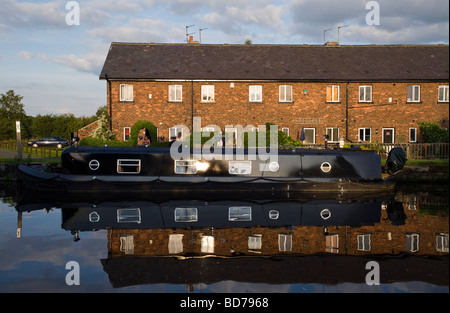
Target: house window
[412,242]
[364,134]
[333,93]
[285,130]
[208,93]
[126,92]
[284,242]
[365,93]
[175,132]
[413,135]
[126,133]
[413,93]
[310,135]
[175,93]
[333,134]
[363,242]
[255,93]
[285,93]
[443,94]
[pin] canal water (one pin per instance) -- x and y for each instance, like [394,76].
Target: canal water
[338,243]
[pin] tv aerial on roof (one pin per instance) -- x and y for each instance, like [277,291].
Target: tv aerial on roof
[187,34]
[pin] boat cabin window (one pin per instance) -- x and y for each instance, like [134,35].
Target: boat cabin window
[186,215]
[132,215]
[128,166]
[240,167]
[185,167]
[240,213]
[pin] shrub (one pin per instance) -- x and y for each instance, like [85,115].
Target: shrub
[432,132]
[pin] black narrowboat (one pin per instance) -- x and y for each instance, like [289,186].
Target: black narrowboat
[160,169]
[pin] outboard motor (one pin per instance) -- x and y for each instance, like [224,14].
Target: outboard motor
[396,160]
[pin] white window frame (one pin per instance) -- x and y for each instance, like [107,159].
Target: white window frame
[208,93]
[129,215]
[411,137]
[364,135]
[415,93]
[255,243]
[175,93]
[286,91]
[365,92]
[285,130]
[207,245]
[442,242]
[330,132]
[255,93]
[126,92]
[335,90]
[444,97]
[128,166]
[314,134]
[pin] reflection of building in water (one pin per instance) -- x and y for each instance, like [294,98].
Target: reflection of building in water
[404,228]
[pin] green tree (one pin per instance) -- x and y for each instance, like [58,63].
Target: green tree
[12,110]
[432,132]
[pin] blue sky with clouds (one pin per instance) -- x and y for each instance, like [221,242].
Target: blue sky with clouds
[55,66]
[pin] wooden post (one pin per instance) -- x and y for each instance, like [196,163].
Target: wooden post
[19,141]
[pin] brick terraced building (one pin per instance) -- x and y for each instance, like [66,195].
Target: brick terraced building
[358,93]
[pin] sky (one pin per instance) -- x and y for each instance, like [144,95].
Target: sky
[52,51]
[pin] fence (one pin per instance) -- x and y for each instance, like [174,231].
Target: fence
[35,152]
[414,151]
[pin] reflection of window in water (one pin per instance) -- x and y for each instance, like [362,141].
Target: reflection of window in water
[255,243]
[207,244]
[240,213]
[412,242]
[186,215]
[442,242]
[127,244]
[363,242]
[332,243]
[132,215]
[175,243]
[284,242]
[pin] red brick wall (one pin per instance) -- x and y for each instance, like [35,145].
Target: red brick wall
[232,107]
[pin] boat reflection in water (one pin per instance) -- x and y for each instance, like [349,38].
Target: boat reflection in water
[278,240]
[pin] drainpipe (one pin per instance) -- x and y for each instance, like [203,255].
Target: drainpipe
[192,106]
[110,103]
[346,111]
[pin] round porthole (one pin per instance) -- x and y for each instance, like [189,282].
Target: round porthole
[94,165]
[325,214]
[94,217]
[274,166]
[325,167]
[273,214]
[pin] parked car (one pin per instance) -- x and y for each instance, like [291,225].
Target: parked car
[49,141]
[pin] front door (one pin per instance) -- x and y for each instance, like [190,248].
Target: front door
[388,135]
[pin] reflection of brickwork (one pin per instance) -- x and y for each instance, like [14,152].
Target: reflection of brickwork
[385,238]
